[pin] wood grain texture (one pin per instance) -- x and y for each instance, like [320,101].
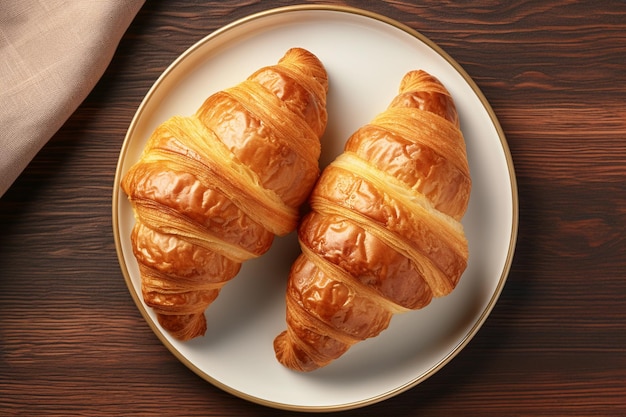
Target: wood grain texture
[73,343]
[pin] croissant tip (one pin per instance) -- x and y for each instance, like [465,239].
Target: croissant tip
[313,63]
[280,345]
[290,356]
[184,327]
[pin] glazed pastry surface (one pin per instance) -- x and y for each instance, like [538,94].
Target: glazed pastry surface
[384,233]
[211,190]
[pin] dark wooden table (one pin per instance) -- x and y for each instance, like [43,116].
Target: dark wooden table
[72,342]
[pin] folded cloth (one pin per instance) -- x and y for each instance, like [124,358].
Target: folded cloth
[53,53]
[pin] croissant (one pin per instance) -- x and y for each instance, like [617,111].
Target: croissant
[383,235]
[211,190]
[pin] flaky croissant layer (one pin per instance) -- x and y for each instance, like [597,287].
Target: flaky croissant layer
[212,190]
[384,233]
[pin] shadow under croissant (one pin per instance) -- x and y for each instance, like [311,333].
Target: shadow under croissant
[263,282]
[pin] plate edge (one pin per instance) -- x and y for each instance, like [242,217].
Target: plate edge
[512,178]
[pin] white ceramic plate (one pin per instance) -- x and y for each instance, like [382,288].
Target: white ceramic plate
[365,55]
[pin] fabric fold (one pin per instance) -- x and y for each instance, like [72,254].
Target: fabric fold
[53,54]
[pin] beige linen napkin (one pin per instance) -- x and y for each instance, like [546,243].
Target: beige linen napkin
[52,53]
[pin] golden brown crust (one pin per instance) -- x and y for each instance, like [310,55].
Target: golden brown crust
[272,123]
[418,166]
[374,264]
[211,190]
[383,235]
